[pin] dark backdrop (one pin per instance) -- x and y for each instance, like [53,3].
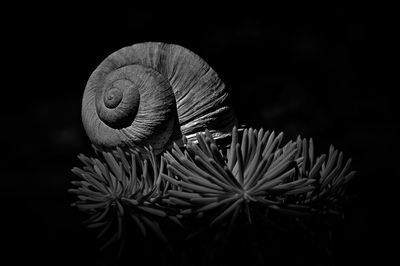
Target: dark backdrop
[302,70]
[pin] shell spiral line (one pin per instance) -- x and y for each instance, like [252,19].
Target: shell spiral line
[150,94]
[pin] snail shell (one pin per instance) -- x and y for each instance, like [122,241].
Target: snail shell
[151,94]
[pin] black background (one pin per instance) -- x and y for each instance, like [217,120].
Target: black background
[303,70]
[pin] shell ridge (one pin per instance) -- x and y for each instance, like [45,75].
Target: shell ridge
[175,86]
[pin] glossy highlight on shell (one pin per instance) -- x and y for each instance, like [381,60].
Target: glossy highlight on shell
[150,94]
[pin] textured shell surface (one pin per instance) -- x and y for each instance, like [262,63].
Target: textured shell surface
[150,94]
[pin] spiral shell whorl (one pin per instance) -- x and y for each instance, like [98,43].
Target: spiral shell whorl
[151,94]
[118,103]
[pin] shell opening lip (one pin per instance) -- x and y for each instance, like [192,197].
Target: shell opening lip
[113,97]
